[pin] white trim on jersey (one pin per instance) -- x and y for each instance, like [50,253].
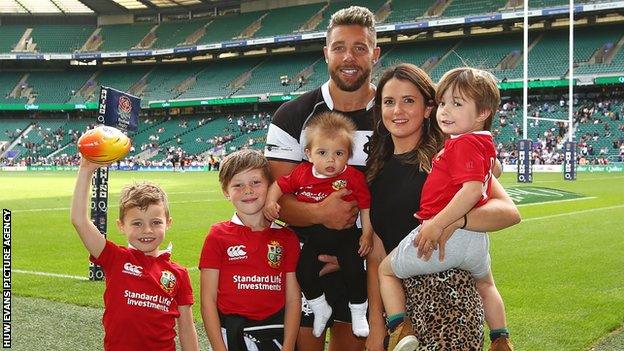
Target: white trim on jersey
[281,145]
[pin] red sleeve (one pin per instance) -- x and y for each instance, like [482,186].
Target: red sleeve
[292,251]
[108,255]
[290,183]
[357,184]
[466,159]
[185,294]
[211,252]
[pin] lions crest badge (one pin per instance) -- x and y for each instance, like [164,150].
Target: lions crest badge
[167,281]
[274,254]
[339,184]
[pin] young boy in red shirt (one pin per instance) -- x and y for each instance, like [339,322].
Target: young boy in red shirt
[250,298]
[146,293]
[459,180]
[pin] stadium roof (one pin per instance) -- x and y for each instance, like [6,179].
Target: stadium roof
[98,7]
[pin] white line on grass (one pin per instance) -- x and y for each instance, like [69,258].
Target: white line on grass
[55,275]
[110,206]
[578,180]
[554,201]
[572,213]
[195,268]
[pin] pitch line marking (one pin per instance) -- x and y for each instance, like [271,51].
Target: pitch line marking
[572,213]
[190,269]
[110,206]
[578,180]
[45,274]
[555,201]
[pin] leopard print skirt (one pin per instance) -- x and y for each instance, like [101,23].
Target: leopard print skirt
[445,310]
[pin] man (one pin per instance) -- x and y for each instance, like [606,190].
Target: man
[350,53]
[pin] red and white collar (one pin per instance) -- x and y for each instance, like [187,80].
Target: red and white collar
[236,220]
[481,132]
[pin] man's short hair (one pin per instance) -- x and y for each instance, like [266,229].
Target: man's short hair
[477,84]
[354,15]
[242,160]
[142,195]
[330,125]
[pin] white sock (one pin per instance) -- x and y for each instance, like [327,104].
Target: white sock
[322,311]
[359,324]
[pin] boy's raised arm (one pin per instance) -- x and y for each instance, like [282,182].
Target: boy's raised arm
[88,232]
[186,329]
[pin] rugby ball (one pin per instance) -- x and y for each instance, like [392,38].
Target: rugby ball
[104,144]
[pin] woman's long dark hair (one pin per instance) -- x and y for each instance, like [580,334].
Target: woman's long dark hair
[432,139]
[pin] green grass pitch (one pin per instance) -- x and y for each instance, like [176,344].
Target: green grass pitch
[560,271]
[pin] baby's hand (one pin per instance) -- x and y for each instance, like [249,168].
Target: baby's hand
[427,239]
[271,210]
[366,245]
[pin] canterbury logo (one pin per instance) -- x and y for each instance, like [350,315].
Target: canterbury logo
[131,269]
[237,251]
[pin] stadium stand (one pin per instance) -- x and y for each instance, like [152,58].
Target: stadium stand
[229,27]
[60,38]
[55,87]
[265,78]
[172,34]
[463,8]
[122,36]
[286,20]
[218,78]
[8,81]
[405,11]
[9,36]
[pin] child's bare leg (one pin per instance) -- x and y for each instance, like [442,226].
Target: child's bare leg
[494,308]
[400,333]
[492,302]
[392,293]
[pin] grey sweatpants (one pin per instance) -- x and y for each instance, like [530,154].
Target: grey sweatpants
[465,250]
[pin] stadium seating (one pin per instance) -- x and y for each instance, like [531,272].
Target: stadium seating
[482,52]
[265,78]
[226,28]
[407,11]
[214,80]
[9,36]
[163,80]
[286,20]
[172,34]
[8,80]
[60,38]
[122,37]
[464,8]
[56,87]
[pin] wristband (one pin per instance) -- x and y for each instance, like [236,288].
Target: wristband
[465,221]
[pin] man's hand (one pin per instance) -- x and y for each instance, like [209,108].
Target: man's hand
[271,210]
[366,245]
[336,213]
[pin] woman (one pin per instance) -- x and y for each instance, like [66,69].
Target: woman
[405,139]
